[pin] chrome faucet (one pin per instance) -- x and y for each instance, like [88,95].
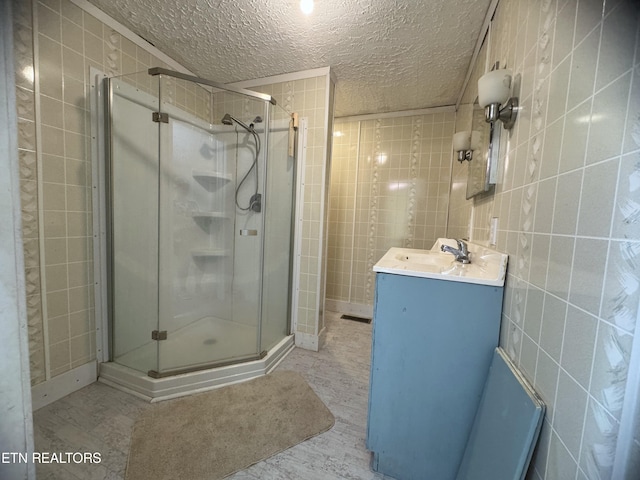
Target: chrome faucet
[461,253]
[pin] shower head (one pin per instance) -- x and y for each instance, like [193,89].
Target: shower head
[229,119]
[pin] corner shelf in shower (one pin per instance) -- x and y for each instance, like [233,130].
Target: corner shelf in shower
[209,178]
[209,253]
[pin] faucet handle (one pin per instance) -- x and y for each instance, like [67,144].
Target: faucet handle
[462,246]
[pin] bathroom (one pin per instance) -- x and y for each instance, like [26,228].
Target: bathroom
[566,203]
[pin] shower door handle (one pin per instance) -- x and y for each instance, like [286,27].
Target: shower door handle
[248,233]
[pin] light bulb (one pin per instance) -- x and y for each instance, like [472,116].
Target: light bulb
[494,87]
[306,6]
[462,141]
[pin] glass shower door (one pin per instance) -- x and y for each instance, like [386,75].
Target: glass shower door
[133,219]
[208,306]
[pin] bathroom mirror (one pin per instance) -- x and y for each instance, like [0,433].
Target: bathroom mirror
[483,164]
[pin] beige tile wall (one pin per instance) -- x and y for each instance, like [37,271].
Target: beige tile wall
[60,42]
[567,201]
[23,44]
[389,188]
[308,98]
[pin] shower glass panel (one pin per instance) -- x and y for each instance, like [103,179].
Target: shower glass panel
[209,277]
[280,180]
[134,221]
[201,214]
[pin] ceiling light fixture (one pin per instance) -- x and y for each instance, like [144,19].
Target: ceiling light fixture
[306,6]
[494,89]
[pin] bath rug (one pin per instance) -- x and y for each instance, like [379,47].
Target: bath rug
[215,434]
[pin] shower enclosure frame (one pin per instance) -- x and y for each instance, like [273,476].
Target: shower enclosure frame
[109,307]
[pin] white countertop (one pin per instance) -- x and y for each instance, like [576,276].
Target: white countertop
[487,267]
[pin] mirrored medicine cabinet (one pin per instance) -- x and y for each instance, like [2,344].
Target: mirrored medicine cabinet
[483,165]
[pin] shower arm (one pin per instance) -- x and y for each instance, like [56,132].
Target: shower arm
[203,81]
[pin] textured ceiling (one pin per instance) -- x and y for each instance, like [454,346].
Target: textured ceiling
[387,55]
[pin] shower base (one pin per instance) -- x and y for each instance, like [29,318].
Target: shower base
[195,342]
[201,342]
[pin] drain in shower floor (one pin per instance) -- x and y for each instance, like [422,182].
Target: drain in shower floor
[355,318]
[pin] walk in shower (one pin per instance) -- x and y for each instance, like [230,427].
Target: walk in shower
[199,217]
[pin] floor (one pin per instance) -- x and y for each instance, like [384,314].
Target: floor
[99,418]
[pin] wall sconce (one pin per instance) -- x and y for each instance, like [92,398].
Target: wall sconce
[465,143]
[494,89]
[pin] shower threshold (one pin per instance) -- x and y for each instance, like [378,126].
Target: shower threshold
[177,385]
[180,371]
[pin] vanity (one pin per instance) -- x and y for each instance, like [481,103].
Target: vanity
[436,325]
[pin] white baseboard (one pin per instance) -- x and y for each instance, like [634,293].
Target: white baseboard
[322,338]
[349,308]
[309,341]
[62,385]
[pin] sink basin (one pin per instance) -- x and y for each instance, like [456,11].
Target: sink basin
[423,257]
[487,267]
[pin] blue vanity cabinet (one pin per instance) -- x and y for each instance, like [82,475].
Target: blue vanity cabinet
[433,341]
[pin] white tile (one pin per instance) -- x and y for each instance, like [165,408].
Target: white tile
[545,205]
[600,432]
[588,16]
[632,130]
[560,464]
[560,265]
[552,330]
[565,214]
[565,27]
[597,202]
[571,403]
[577,346]
[546,381]
[613,348]
[558,87]
[588,275]
[618,43]
[608,120]
[583,69]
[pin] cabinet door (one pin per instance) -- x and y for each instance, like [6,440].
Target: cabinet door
[432,345]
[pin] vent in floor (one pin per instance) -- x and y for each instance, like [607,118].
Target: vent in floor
[355,318]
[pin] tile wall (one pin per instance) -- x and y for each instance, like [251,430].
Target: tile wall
[389,188]
[56,43]
[567,202]
[23,44]
[311,98]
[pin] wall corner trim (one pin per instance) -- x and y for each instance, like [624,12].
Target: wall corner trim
[285,77]
[310,341]
[62,385]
